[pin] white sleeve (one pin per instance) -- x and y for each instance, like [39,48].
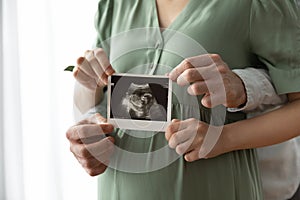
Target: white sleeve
[260,92]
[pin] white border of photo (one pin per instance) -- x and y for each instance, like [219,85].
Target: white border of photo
[143,125]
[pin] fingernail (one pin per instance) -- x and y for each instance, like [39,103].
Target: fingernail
[80,60]
[107,128]
[175,120]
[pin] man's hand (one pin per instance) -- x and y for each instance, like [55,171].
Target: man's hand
[89,144]
[209,75]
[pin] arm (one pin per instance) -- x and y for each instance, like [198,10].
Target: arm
[271,128]
[187,137]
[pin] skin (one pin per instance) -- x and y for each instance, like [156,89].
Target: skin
[168,10]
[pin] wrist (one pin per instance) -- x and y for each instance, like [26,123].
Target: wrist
[228,139]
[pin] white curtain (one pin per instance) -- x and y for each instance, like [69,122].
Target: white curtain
[40,38]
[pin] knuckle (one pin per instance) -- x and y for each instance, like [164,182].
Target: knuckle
[186,64]
[87,51]
[201,127]
[87,164]
[195,89]
[68,134]
[173,127]
[99,52]
[102,170]
[190,73]
[215,57]
[193,122]
[71,133]
[175,138]
[222,68]
[180,150]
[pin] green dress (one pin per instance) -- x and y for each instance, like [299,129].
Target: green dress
[245,33]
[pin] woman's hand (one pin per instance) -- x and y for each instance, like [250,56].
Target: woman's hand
[89,144]
[93,69]
[209,75]
[187,137]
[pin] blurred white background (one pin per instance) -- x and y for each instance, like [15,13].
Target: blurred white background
[39,38]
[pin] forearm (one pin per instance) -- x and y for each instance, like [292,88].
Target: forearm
[268,129]
[85,99]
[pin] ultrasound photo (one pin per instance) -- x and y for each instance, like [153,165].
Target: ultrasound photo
[139,98]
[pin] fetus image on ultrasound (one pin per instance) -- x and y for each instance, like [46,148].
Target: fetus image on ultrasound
[140,103]
[138,98]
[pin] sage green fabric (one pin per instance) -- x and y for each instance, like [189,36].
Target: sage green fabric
[245,33]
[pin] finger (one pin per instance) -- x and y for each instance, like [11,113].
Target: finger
[95,65]
[188,130]
[183,139]
[89,163]
[84,79]
[216,58]
[179,137]
[99,69]
[192,156]
[201,60]
[96,118]
[173,127]
[198,88]
[105,64]
[213,99]
[78,132]
[92,166]
[188,76]
[192,75]
[185,147]
[104,61]
[100,150]
[96,171]
[92,139]
[179,69]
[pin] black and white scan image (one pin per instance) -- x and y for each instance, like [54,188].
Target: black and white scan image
[139,98]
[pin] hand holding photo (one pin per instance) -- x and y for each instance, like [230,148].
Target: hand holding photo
[139,102]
